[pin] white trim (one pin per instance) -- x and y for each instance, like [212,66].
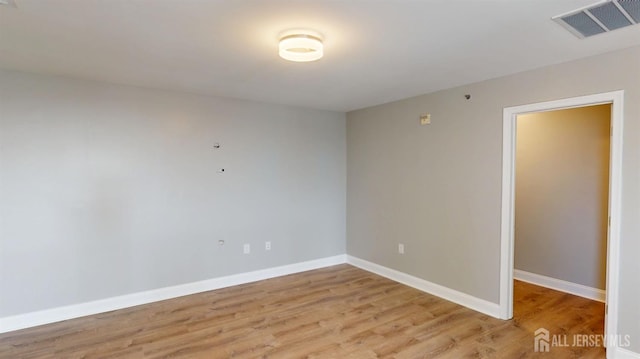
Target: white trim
[616,98]
[615,212]
[508,214]
[449,294]
[32,319]
[622,353]
[560,285]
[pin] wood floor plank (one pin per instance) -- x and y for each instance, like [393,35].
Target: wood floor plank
[335,312]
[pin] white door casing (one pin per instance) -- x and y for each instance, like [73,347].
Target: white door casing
[616,98]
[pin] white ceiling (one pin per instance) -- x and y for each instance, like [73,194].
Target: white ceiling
[375,51]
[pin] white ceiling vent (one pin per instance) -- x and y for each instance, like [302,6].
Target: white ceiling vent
[602,17]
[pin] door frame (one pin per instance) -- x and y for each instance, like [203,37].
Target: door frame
[616,99]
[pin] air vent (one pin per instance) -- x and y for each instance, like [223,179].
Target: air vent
[602,17]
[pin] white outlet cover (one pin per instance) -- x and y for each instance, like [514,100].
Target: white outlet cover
[267,246]
[401,248]
[246,248]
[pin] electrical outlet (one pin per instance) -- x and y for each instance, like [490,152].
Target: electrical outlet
[401,248]
[221,242]
[246,248]
[267,246]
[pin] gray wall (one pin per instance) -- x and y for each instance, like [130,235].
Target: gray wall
[437,188]
[108,190]
[562,191]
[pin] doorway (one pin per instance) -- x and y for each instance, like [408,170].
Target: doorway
[614,197]
[561,199]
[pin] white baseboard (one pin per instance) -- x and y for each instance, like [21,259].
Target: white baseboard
[560,285]
[449,294]
[47,316]
[621,353]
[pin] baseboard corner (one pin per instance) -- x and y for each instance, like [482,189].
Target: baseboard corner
[466,300]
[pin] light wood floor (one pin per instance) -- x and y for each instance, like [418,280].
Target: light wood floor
[336,312]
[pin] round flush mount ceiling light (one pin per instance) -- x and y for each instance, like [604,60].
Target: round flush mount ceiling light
[301,46]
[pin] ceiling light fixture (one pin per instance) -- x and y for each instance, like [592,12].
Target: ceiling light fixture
[301,46]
